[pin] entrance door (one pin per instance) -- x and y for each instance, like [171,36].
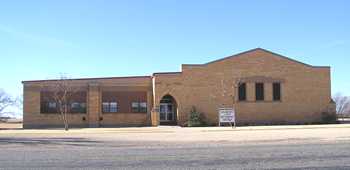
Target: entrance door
[166,112]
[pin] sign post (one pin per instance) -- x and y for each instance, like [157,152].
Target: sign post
[227,115]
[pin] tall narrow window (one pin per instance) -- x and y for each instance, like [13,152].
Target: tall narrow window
[242,92]
[276,89]
[259,91]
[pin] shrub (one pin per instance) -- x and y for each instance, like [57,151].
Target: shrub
[329,117]
[196,118]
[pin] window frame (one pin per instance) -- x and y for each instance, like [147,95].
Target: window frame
[109,108]
[244,94]
[105,107]
[49,103]
[46,109]
[113,107]
[80,109]
[279,92]
[133,108]
[139,108]
[46,99]
[143,109]
[261,96]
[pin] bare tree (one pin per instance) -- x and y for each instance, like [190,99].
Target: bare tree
[342,104]
[62,93]
[19,102]
[5,101]
[236,83]
[228,89]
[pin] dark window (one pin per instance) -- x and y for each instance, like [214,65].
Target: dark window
[135,106]
[76,102]
[121,101]
[48,107]
[109,107]
[242,92]
[52,105]
[77,107]
[143,107]
[259,91]
[139,107]
[105,107]
[276,89]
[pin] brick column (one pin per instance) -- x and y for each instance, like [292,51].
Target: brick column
[250,91]
[31,106]
[268,91]
[155,105]
[154,117]
[94,105]
[149,107]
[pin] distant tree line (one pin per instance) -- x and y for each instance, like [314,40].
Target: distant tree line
[6,101]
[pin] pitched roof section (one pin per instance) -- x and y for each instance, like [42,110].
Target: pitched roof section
[194,65]
[166,73]
[252,50]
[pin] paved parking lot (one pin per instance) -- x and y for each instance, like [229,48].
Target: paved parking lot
[274,147]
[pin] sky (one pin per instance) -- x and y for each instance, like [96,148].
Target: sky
[101,38]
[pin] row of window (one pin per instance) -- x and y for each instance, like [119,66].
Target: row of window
[259,92]
[112,107]
[52,107]
[107,107]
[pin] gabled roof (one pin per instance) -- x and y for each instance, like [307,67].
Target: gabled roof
[252,50]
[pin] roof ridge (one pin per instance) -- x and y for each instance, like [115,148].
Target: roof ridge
[255,49]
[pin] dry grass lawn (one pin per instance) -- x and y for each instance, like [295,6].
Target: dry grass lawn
[279,134]
[10,125]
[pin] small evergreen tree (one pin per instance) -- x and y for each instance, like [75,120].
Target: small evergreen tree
[195,118]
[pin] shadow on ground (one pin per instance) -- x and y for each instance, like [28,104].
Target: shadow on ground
[49,141]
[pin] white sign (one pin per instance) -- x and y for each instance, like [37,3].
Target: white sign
[226,115]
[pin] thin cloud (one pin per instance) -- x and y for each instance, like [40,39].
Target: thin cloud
[34,38]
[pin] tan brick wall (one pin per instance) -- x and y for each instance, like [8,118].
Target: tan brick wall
[305,89]
[93,104]
[32,118]
[305,93]
[125,119]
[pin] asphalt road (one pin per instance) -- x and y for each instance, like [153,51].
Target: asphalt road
[86,153]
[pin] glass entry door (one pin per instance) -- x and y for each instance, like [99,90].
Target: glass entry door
[166,112]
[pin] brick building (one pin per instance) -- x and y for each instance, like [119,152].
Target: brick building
[262,86]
